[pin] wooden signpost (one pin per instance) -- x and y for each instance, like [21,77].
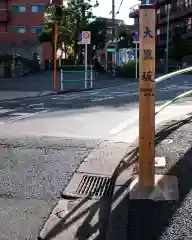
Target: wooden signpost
[147,35]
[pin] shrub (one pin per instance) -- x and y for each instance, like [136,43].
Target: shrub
[128,70]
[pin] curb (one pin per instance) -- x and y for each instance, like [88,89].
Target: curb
[66,91]
[97,88]
[21,98]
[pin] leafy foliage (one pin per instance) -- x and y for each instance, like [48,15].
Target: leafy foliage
[179,46]
[125,38]
[77,16]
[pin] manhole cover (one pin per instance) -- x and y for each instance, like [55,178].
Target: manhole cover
[95,186]
[167,141]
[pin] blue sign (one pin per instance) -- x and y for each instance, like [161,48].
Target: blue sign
[80,37]
[147,1]
[136,36]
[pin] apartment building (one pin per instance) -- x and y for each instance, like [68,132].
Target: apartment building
[118,24]
[20,23]
[180,12]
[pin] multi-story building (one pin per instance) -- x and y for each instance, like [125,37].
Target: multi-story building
[118,24]
[180,13]
[20,23]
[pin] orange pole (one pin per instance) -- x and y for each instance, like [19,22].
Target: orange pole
[55,58]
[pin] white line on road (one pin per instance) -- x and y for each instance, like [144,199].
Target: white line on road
[6,110]
[24,116]
[130,120]
[127,94]
[36,104]
[100,99]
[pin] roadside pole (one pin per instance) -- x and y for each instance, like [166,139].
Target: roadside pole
[85,54]
[136,60]
[136,42]
[85,38]
[53,15]
[147,96]
[55,58]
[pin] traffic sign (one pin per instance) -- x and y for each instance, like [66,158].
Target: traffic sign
[136,36]
[86,37]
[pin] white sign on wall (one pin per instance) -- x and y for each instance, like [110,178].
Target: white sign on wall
[130,54]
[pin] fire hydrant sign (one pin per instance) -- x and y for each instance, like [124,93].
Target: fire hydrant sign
[86,37]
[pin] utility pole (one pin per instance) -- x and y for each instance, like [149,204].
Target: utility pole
[113,37]
[113,19]
[167,43]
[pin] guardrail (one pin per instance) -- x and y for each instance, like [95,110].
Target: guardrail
[86,79]
[162,78]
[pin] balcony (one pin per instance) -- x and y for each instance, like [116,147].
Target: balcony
[176,13]
[134,11]
[4,16]
[162,1]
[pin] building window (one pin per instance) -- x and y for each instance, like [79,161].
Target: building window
[36,29]
[189,24]
[19,8]
[186,3]
[37,9]
[19,29]
[109,30]
[167,7]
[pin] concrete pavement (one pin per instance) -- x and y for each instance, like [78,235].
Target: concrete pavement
[85,217]
[41,152]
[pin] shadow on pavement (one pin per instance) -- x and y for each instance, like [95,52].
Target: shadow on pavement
[146,219]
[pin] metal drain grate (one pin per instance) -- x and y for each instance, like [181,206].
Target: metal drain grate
[95,186]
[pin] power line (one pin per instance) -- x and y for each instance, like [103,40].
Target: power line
[119,7]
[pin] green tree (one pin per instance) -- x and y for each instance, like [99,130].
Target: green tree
[98,29]
[76,17]
[179,45]
[125,38]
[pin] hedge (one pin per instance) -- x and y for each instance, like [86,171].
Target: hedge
[128,70]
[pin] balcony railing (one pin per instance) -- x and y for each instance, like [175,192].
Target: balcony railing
[4,16]
[175,13]
[134,11]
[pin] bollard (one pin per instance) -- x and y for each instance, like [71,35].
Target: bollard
[85,83]
[62,80]
[91,76]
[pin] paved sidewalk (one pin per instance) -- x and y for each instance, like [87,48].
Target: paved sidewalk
[11,95]
[96,202]
[148,219]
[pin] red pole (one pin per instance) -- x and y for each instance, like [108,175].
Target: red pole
[55,58]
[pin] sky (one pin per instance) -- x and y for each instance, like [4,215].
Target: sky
[105,7]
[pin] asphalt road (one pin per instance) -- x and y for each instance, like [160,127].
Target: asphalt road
[43,140]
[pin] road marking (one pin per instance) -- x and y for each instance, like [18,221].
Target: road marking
[36,104]
[40,108]
[6,110]
[19,114]
[125,123]
[100,99]
[127,94]
[23,116]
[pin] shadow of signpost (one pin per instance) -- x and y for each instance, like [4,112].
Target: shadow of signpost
[146,219]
